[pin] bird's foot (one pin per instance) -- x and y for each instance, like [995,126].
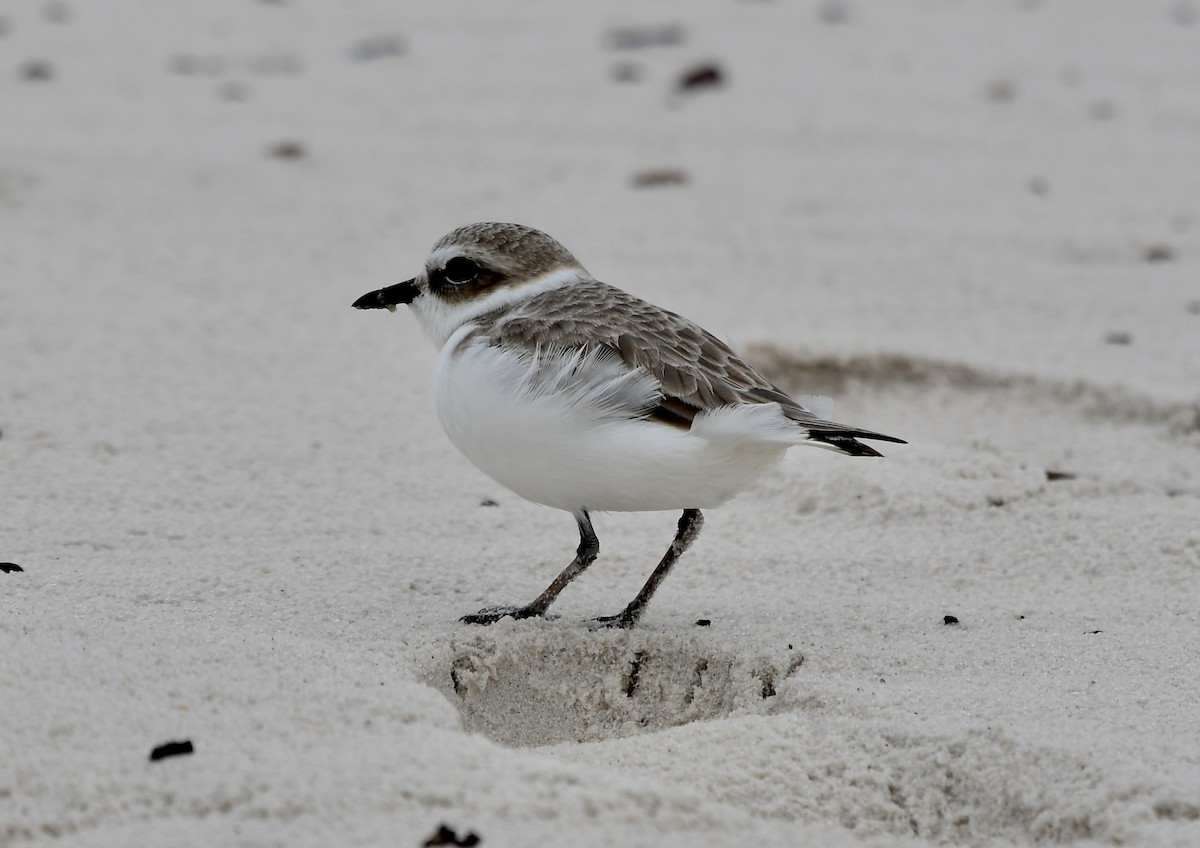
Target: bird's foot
[490,615]
[624,620]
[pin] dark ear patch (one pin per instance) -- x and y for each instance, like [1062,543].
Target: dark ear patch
[462,279]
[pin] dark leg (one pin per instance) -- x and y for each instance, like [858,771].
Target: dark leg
[689,528]
[585,555]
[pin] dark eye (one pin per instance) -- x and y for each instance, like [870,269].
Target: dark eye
[460,269]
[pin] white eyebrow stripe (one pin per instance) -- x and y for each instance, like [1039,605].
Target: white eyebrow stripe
[439,257]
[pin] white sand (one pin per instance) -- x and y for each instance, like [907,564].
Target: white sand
[241,525]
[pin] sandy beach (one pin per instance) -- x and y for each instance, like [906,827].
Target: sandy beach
[239,524]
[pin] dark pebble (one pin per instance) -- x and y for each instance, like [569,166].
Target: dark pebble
[1070,76]
[1118,337]
[277,64]
[1159,253]
[9,567]
[184,64]
[1094,632]
[189,64]
[634,38]
[288,150]
[489,502]
[171,749]
[659,177]
[626,72]
[56,12]
[1103,110]
[949,619]
[37,70]
[377,47]
[702,76]
[833,12]
[445,836]
[1054,476]
[233,92]
[1001,91]
[705,622]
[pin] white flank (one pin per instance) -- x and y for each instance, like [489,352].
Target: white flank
[562,428]
[759,423]
[595,379]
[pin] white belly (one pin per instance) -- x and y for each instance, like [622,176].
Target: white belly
[560,438]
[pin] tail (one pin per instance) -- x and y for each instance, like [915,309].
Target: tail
[821,432]
[826,434]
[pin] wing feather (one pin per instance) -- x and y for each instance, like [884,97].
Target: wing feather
[696,371]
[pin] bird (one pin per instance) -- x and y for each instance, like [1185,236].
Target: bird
[577,395]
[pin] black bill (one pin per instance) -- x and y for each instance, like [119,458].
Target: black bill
[390,297]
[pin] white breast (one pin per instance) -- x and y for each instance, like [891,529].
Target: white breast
[560,428]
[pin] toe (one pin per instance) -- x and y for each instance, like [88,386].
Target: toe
[490,615]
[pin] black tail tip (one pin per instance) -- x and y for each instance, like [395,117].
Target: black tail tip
[847,445]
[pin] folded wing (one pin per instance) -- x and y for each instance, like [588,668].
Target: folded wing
[696,372]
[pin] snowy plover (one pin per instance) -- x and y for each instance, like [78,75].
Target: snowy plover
[576,395]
